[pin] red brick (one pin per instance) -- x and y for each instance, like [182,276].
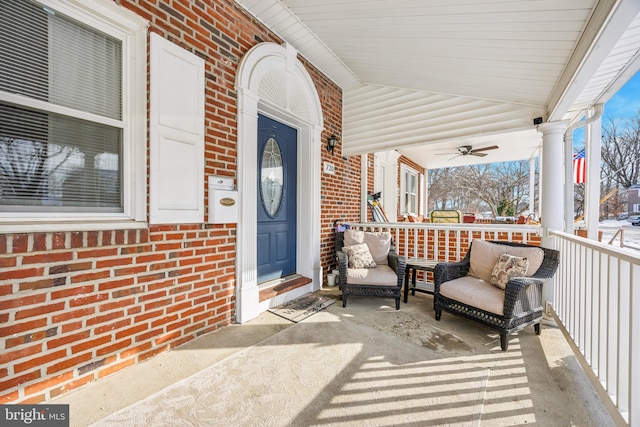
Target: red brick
[68,339]
[32,337]
[148,315]
[115,326]
[98,253]
[70,327]
[145,278]
[152,296]
[17,328]
[113,348]
[132,351]
[153,256]
[91,299]
[116,304]
[113,262]
[39,311]
[87,311]
[41,284]
[150,354]
[164,320]
[177,325]
[167,337]
[68,292]
[70,267]
[6,290]
[88,277]
[48,257]
[20,243]
[115,368]
[22,273]
[131,331]
[39,361]
[15,381]
[118,283]
[59,240]
[68,363]
[8,356]
[149,334]
[33,399]
[104,318]
[88,345]
[7,262]
[130,271]
[48,383]
[136,249]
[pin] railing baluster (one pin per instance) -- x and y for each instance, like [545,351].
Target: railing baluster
[596,290]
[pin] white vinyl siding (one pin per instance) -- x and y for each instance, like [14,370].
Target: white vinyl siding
[176,134]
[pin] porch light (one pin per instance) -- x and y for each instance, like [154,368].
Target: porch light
[332,141]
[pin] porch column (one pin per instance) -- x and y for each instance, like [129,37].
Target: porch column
[532,186]
[593,157]
[364,169]
[425,204]
[552,184]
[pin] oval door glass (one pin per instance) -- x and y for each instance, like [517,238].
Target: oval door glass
[271,177]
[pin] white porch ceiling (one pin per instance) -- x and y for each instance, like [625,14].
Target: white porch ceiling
[424,77]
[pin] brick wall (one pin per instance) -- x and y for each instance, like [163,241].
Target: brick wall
[78,306]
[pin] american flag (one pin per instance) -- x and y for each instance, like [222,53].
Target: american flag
[579,167]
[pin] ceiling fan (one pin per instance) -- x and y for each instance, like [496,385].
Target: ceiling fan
[468,150]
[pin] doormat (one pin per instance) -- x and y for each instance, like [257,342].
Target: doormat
[303,307]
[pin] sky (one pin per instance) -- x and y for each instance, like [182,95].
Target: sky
[625,104]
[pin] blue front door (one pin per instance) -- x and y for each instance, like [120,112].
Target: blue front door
[277,169]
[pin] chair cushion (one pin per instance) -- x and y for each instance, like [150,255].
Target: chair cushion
[359,256]
[379,243]
[507,267]
[485,255]
[382,275]
[475,293]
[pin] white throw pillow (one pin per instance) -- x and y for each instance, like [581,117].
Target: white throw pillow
[359,256]
[379,243]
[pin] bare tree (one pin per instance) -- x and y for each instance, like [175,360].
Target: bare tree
[502,187]
[621,152]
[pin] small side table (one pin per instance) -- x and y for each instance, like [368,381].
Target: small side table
[413,265]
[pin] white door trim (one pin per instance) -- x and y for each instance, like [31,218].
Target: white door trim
[273,82]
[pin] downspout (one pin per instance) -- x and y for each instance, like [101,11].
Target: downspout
[568,162]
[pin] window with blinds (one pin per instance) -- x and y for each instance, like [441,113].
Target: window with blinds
[61,124]
[409,186]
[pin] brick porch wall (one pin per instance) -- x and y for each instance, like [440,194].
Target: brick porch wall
[78,306]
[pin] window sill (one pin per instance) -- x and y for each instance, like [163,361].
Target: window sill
[60,226]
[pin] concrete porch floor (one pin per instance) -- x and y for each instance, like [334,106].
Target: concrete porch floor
[453,337]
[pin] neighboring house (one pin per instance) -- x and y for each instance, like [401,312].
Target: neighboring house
[633,194]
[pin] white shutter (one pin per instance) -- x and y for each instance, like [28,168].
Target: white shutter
[176,134]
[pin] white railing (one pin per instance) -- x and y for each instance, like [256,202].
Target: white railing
[448,242]
[595,290]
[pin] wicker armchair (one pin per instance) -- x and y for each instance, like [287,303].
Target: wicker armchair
[385,280]
[522,296]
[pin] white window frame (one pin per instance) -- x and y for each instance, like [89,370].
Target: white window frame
[124,25]
[404,169]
